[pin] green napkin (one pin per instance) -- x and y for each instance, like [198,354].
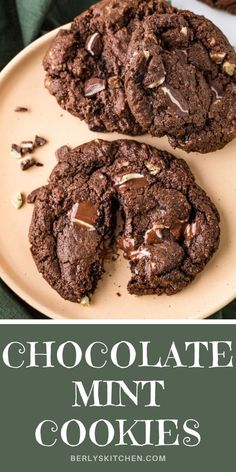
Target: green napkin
[22,21]
[31,16]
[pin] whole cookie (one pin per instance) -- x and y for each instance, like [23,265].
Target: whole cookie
[85,64]
[171,228]
[181,81]
[228,5]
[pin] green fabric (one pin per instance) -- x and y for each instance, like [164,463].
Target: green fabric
[10,32]
[22,21]
[12,307]
[31,15]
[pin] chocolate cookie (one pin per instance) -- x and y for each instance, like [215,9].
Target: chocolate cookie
[85,64]
[181,81]
[171,228]
[228,5]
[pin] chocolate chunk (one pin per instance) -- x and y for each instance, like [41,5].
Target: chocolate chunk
[218,94]
[94,44]
[27,163]
[126,245]
[27,147]
[191,231]
[94,86]
[128,181]
[178,230]
[133,183]
[176,99]
[39,141]
[153,236]
[84,214]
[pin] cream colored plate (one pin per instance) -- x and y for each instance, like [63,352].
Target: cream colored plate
[21,84]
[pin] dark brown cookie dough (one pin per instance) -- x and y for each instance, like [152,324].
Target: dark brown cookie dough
[181,81]
[171,228]
[72,221]
[85,64]
[228,5]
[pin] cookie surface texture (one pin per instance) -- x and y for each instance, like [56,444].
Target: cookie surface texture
[85,64]
[181,81]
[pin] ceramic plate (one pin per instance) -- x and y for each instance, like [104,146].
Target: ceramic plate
[21,84]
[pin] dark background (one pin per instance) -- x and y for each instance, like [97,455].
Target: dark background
[22,21]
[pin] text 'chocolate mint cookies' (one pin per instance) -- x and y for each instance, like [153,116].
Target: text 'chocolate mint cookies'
[181,81]
[227,5]
[171,228]
[85,64]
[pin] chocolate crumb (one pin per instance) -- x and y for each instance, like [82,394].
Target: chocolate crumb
[39,141]
[21,109]
[39,164]
[27,163]
[118,294]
